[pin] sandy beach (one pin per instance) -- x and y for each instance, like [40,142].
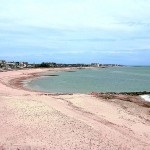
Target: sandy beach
[36,120]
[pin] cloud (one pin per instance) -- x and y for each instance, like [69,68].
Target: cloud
[78,28]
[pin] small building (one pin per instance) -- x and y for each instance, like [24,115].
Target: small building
[10,65]
[21,64]
[95,64]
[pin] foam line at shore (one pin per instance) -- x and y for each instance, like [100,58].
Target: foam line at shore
[146,97]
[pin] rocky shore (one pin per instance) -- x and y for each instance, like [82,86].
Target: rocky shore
[125,96]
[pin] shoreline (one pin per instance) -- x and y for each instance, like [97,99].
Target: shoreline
[140,98]
[40,120]
[18,83]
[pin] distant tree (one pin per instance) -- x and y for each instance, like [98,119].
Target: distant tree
[44,65]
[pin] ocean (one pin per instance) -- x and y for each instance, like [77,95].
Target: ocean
[122,79]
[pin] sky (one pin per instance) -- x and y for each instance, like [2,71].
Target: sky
[75,31]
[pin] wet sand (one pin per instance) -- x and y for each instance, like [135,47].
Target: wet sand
[37,120]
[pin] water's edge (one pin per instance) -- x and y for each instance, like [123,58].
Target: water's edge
[145,97]
[143,94]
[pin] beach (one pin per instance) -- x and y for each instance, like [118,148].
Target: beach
[89,121]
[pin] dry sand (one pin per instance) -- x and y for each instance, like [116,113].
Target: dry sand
[36,120]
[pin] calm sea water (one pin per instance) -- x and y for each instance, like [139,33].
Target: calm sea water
[124,79]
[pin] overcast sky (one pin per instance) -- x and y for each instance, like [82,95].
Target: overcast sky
[75,31]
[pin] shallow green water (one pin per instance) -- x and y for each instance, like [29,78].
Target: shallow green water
[125,79]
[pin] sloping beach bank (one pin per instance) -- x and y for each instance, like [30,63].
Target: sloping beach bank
[37,120]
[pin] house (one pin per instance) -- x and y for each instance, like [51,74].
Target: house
[10,65]
[21,64]
[95,64]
